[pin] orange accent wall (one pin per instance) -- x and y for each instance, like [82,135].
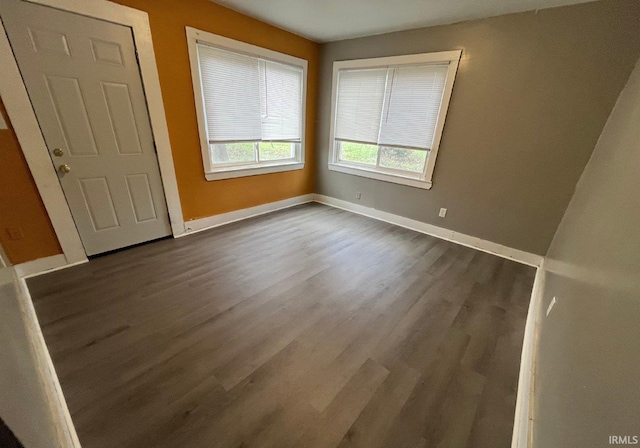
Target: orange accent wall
[21,209]
[200,198]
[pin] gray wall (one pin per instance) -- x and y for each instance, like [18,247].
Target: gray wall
[531,97]
[588,365]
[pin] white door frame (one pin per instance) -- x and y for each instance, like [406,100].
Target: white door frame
[4,260]
[24,121]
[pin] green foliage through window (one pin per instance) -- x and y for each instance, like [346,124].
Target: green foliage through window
[276,150]
[412,160]
[250,152]
[359,152]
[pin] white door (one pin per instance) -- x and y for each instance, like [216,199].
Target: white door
[84,82]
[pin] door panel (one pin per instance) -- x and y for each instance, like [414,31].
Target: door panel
[122,118]
[83,80]
[44,41]
[69,107]
[98,200]
[141,197]
[109,52]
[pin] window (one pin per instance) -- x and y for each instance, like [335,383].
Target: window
[388,115]
[250,103]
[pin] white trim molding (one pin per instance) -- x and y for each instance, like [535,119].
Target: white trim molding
[523,420]
[254,171]
[378,175]
[45,265]
[4,260]
[439,232]
[49,264]
[25,124]
[198,225]
[65,430]
[41,265]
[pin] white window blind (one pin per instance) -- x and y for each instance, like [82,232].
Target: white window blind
[393,106]
[230,88]
[360,101]
[248,98]
[281,98]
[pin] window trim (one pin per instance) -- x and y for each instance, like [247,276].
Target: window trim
[211,172]
[422,180]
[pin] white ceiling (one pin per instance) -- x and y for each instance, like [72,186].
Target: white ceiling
[328,20]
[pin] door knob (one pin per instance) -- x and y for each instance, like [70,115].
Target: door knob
[64,168]
[58,152]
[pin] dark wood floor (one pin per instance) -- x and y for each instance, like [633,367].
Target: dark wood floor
[308,327]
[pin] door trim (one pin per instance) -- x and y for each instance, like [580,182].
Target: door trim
[4,260]
[25,124]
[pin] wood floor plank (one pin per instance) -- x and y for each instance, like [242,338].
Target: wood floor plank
[373,423]
[451,426]
[336,419]
[424,404]
[497,403]
[310,326]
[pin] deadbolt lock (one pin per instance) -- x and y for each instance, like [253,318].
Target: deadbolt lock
[64,168]
[58,152]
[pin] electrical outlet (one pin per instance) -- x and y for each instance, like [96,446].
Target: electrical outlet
[15,233]
[358,195]
[551,305]
[443,212]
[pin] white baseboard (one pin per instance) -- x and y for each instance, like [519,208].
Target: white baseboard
[43,265]
[523,421]
[35,267]
[198,225]
[56,262]
[439,232]
[48,264]
[65,430]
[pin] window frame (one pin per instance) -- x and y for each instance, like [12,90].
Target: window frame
[420,180]
[216,172]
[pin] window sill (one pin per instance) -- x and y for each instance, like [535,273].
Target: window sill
[252,170]
[396,179]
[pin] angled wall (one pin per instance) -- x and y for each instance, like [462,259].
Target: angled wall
[587,379]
